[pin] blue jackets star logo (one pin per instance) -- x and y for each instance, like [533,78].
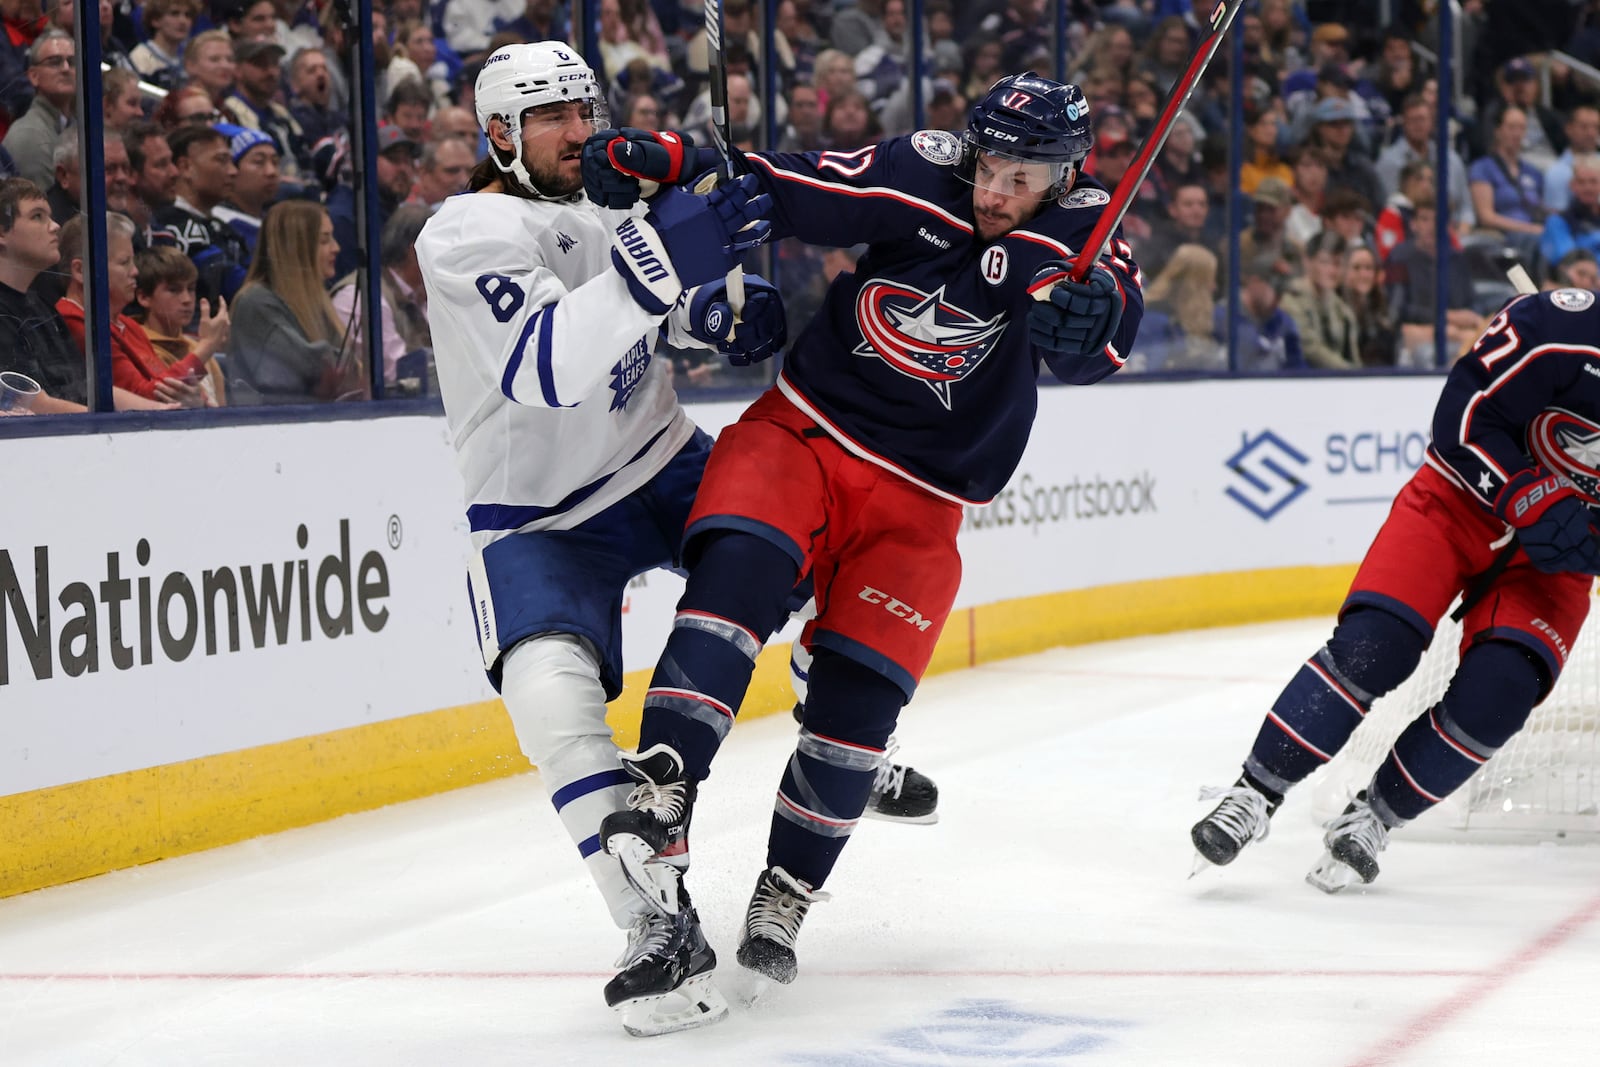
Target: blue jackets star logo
[923,336]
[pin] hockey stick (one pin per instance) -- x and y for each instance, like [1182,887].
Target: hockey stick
[1478,588]
[721,128]
[1222,15]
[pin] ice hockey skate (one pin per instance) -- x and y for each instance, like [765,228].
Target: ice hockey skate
[1244,815]
[650,837]
[665,982]
[1353,842]
[899,793]
[772,922]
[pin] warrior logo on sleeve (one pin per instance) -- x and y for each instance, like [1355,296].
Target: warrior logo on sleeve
[922,336]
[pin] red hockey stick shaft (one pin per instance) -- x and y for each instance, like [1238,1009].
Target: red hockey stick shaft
[1122,196]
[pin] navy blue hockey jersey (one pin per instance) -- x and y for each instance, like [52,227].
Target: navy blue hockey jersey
[920,361]
[1536,369]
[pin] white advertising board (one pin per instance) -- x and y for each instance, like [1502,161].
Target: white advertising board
[171,595]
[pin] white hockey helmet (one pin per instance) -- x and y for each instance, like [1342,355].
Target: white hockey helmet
[522,76]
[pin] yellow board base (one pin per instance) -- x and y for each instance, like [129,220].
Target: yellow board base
[57,835]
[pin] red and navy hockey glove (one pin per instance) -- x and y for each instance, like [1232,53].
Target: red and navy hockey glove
[615,162]
[1073,318]
[762,326]
[1553,524]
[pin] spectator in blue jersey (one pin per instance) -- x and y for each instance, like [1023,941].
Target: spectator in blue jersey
[206,173]
[1267,338]
[911,394]
[1578,226]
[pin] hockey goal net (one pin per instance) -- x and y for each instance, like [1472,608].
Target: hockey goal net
[1544,785]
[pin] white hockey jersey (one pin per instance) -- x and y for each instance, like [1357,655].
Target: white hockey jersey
[555,407]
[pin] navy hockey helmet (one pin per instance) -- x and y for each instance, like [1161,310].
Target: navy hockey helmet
[1031,119]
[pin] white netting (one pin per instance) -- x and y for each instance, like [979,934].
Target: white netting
[1544,785]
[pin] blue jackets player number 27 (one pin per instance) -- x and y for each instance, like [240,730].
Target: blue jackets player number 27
[922,361]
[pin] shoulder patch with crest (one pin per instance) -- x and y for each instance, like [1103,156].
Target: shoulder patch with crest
[1572,299]
[937,146]
[1085,198]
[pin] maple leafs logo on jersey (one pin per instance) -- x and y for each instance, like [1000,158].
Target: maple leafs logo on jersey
[1568,444]
[628,372]
[922,335]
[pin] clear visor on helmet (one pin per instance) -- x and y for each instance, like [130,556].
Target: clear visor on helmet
[548,119]
[1006,176]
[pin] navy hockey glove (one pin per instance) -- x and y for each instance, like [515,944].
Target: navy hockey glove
[614,162]
[1073,318]
[1552,522]
[688,240]
[761,330]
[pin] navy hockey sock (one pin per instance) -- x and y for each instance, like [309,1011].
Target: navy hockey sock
[736,597]
[1370,652]
[850,713]
[1487,702]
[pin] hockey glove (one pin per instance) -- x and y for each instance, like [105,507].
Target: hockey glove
[1073,318]
[620,166]
[688,240]
[1552,522]
[761,329]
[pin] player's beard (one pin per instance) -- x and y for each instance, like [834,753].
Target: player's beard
[550,178]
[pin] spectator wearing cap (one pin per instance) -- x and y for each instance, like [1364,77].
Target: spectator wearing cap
[1329,335]
[167,25]
[1507,192]
[310,86]
[397,163]
[1333,131]
[52,70]
[206,173]
[1578,227]
[1409,278]
[1542,137]
[1267,235]
[1418,120]
[1261,150]
[1329,44]
[254,102]
[1334,82]
[1583,139]
[255,184]
[443,171]
[1267,337]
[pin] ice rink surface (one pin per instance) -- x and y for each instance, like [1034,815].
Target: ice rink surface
[1048,918]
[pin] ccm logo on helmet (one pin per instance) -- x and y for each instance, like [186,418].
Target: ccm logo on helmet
[990,131]
[894,607]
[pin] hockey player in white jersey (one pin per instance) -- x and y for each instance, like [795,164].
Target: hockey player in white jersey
[579,464]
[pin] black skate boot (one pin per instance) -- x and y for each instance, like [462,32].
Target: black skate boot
[665,982]
[650,837]
[772,923]
[1353,842]
[1242,817]
[899,793]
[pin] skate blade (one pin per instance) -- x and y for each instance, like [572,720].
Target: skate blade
[654,879]
[694,1004]
[1332,876]
[1200,864]
[914,820]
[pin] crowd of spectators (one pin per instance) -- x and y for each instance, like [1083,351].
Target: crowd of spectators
[233,240]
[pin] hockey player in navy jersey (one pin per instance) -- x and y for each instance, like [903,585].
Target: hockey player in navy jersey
[578,461]
[1516,443]
[910,393]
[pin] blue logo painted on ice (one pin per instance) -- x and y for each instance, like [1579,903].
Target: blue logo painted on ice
[1267,470]
[976,1032]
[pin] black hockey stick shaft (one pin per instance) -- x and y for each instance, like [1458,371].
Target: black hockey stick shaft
[721,127]
[1222,15]
[1480,585]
